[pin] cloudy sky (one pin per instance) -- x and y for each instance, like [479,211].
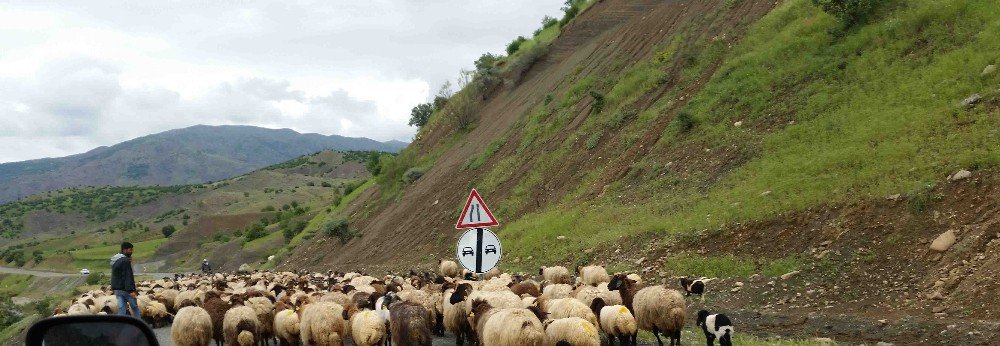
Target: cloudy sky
[79,74]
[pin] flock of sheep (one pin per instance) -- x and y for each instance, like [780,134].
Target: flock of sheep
[328,308]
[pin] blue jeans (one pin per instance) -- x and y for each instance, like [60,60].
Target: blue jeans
[123,298]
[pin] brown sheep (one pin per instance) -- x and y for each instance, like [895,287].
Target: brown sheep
[409,323]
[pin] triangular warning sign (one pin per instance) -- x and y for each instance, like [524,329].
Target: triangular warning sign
[476,214]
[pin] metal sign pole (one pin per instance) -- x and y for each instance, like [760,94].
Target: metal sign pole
[479,250]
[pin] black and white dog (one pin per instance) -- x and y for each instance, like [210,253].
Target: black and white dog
[696,286]
[717,326]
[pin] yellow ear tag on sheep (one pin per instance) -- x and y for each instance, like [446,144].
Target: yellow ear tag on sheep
[623,310]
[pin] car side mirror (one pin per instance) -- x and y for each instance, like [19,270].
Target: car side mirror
[115,330]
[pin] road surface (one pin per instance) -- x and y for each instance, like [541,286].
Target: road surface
[45,274]
[163,336]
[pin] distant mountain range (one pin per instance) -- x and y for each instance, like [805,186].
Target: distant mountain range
[190,155]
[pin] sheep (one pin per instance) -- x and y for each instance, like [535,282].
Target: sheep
[616,321]
[240,325]
[108,304]
[323,324]
[455,317]
[716,326]
[264,310]
[492,273]
[286,324]
[626,288]
[448,268]
[193,295]
[367,328]
[572,330]
[656,308]
[556,291]
[635,277]
[192,327]
[78,309]
[216,308]
[567,307]
[555,275]
[525,288]
[410,323]
[587,294]
[156,314]
[592,275]
[169,299]
[507,326]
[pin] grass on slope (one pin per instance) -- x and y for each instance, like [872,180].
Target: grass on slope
[875,113]
[96,259]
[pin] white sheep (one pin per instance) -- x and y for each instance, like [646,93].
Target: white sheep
[567,307]
[616,321]
[323,324]
[240,326]
[555,275]
[367,328]
[264,310]
[448,268]
[592,275]
[286,325]
[573,331]
[556,291]
[79,309]
[192,327]
[507,326]
[660,310]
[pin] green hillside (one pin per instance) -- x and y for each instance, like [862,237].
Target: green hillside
[242,219]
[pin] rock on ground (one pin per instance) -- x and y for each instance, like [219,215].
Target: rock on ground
[944,241]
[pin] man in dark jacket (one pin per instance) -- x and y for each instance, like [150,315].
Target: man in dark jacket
[122,280]
[205,268]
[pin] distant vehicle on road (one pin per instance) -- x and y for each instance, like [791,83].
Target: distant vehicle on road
[85,271]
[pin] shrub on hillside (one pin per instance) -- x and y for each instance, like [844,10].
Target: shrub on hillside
[168,230]
[849,12]
[256,232]
[9,312]
[514,45]
[340,229]
[598,101]
[412,174]
[96,278]
[524,61]
[684,121]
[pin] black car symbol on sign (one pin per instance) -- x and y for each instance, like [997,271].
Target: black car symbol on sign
[491,249]
[467,251]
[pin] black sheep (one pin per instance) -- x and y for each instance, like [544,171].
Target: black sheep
[717,326]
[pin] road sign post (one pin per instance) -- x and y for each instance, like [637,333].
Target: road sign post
[478,249]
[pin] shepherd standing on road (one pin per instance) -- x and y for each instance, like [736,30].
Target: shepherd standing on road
[123,281]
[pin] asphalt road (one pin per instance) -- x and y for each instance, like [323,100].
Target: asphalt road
[163,336]
[44,274]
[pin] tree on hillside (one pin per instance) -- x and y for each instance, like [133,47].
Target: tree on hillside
[168,230]
[443,95]
[420,114]
[487,73]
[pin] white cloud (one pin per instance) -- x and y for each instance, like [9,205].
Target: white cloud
[74,75]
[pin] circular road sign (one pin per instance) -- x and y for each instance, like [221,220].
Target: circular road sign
[478,250]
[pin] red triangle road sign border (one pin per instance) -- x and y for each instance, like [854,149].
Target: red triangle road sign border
[461,218]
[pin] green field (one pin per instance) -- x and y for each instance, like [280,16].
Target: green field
[98,258]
